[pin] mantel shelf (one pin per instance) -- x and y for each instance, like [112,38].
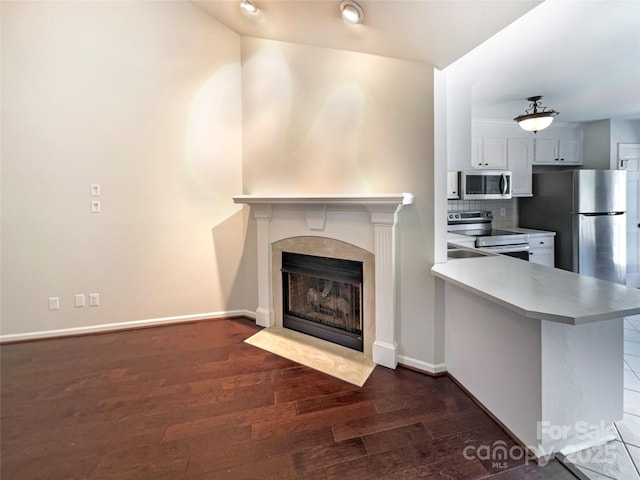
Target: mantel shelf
[326,199]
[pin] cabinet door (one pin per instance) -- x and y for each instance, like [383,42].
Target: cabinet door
[542,256]
[491,153]
[546,151]
[557,152]
[570,152]
[476,152]
[519,161]
[541,250]
[453,183]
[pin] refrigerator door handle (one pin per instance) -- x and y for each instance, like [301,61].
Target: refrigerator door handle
[602,214]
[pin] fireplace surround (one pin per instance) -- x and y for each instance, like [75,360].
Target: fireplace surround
[352,227]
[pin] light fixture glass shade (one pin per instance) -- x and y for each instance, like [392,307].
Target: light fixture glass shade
[351,11]
[536,123]
[533,119]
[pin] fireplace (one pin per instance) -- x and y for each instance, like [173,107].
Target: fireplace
[352,227]
[322,297]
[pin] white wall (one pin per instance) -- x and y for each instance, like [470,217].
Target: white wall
[601,139]
[318,120]
[596,144]
[142,98]
[623,131]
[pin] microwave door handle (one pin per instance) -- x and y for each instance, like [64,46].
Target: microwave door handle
[503,183]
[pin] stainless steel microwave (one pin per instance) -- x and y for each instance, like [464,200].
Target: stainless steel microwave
[485,184]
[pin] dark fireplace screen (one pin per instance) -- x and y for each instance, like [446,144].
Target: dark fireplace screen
[323,297]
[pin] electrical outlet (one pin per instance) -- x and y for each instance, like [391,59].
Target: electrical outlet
[54,303]
[95,206]
[503,212]
[94,299]
[95,190]
[78,300]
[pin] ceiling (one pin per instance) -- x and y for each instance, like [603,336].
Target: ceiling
[583,56]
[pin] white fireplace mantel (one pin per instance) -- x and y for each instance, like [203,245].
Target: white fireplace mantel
[367,221]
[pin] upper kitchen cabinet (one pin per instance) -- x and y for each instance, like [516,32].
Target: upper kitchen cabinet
[559,146]
[520,153]
[453,185]
[487,152]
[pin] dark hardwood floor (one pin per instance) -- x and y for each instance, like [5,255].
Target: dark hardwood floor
[193,401]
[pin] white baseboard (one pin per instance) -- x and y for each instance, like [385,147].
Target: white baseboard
[431,368]
[110,327]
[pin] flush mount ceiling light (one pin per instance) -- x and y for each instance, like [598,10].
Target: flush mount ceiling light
[351,11]
[248,7]
[533,119]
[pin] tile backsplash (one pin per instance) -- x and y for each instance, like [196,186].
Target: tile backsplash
[509,219]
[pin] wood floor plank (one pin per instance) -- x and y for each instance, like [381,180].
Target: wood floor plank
[193,401]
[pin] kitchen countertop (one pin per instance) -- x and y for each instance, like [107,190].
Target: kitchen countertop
[537,291]
[452,236]
[528,231]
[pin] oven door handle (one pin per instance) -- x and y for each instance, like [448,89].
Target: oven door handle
[506,249]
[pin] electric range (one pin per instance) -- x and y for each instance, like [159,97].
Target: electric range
[478,224]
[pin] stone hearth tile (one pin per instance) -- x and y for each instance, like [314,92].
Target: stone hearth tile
[335,360]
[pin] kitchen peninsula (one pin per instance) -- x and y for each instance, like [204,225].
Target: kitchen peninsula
[540,348]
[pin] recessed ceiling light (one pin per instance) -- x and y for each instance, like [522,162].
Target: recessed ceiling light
[248,7]
[351,11]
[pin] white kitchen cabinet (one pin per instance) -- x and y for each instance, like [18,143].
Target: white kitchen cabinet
[541,250]
[489,152]
[453,185]
[520,153]
[564,147]
[571,152]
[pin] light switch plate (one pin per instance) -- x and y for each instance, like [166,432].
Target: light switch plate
[94,299]
[95,206]
[95,190]
[54,303]
[79,300]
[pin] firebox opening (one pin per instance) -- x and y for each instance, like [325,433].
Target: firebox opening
[322,297]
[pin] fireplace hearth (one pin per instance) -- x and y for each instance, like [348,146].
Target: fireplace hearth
[322,297]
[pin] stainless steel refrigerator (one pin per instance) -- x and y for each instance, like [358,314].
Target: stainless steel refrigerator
[586,209]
